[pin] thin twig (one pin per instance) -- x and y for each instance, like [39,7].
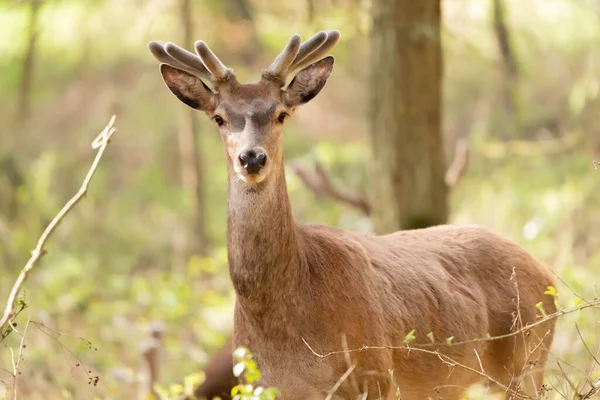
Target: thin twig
[479,359]
[448,361]
[595,390]
[453,363]
[530,326]
[567,286]
[11,327]
[352,379]
[100,144]
[17,364]
[339,382]
[595,360]
[571,384]
[585,345]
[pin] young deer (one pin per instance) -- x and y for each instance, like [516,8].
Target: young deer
[300,284]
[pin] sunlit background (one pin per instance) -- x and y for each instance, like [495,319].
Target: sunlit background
[125,256]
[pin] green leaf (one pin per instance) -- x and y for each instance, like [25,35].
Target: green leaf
[430,336]
[540,307]
[252,375]
[162,392]
[449,339]
[191,381]
[551,291]
[175,389]
[410,337]
[271,393]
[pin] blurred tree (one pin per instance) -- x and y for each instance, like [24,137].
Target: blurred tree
[510,67]
[24,102]
[189,150]
[242,29]
[310,11]
[11,178]
[408,190]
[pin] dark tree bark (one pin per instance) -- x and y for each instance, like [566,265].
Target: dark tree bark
[192,176]
[510,65]
[24,102]
[242,14]
[408,190]
[504,40]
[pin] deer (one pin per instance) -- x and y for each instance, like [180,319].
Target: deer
[309,297]
[219,377]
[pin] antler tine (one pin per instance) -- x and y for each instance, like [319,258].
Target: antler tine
[212,62]
[158,51]
[278,69]
[333,36]
[189,59]
[309,46]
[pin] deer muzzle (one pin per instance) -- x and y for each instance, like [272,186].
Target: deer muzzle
[251,163]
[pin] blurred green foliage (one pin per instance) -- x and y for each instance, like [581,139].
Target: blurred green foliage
[118,261]
[246,369]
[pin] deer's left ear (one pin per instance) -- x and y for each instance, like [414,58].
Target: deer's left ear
[308,82]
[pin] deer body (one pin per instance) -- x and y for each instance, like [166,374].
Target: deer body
[306,290]
[452,281]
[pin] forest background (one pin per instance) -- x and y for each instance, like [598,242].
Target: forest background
[520,91]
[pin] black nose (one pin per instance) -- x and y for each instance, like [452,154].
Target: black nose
[253,161]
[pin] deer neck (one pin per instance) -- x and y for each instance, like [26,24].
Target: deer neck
[262,240]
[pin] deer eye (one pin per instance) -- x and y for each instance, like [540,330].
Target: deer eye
[219,120]
[282,117]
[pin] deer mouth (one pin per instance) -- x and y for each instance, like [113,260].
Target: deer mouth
[252,178]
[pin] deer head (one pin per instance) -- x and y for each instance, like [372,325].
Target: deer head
[250,116]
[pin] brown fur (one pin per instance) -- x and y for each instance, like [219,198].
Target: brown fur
[298,282]
[219,376]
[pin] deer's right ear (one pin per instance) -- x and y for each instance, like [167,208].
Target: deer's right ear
[188,88]
[308,82]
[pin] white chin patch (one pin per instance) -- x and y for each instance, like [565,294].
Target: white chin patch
[252,178]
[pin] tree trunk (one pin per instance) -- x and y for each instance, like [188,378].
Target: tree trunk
[510,66]
[408,167]
[192,176]
[241,14]
[24,102]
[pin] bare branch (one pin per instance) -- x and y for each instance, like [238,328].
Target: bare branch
[320,184]
[525,328]
[100,144]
